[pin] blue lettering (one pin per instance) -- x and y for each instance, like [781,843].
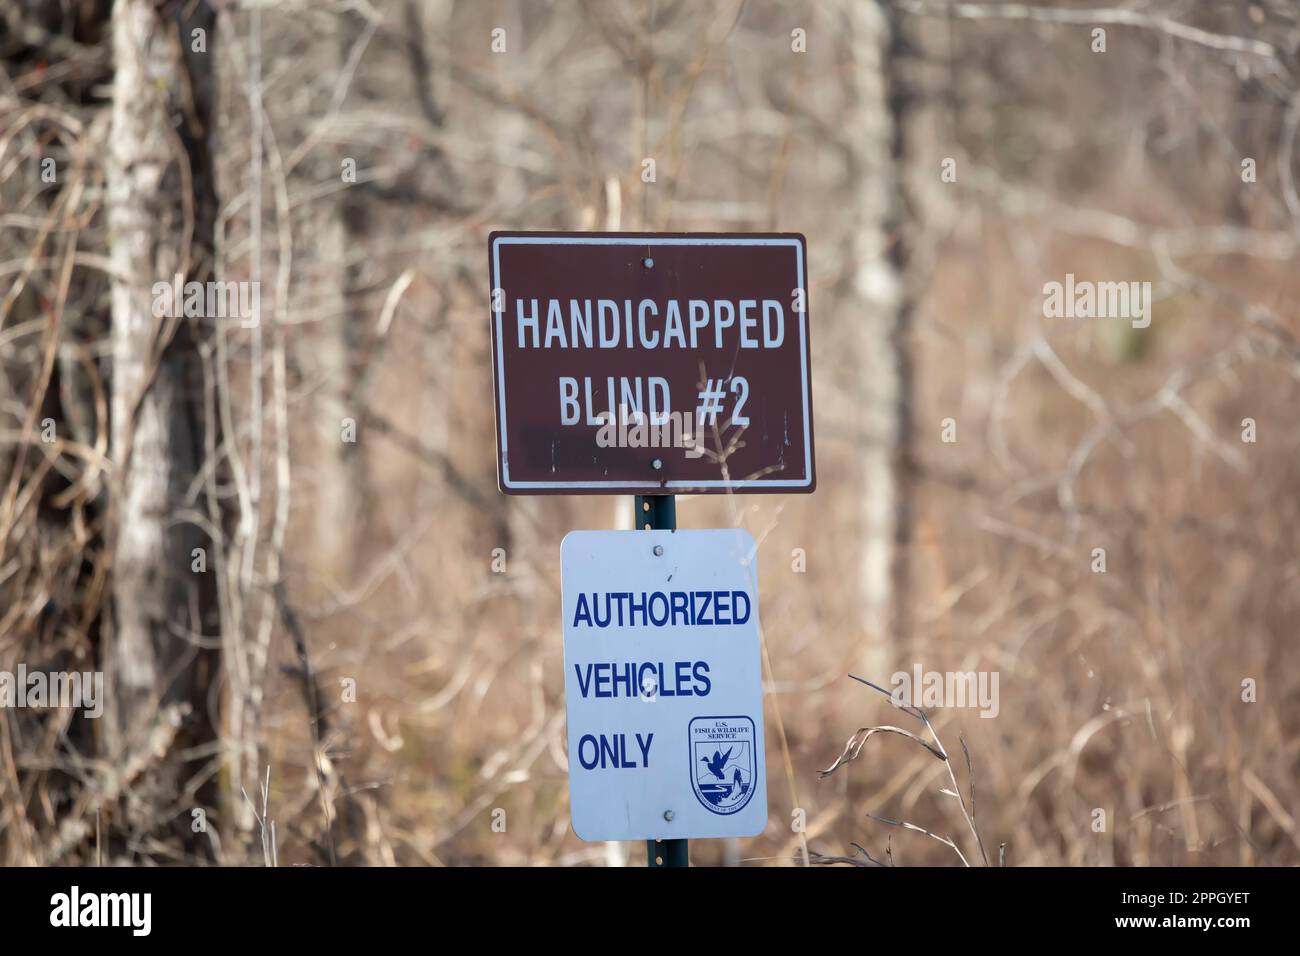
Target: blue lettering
[624,676]
[681,670]
[736,598]
[722,608]
[664,688]
[649,688]
[634,607]
[681,604]
[599,622]
[701,671]
[702,613]
[613,752]
[588,765]
[660,608]
[583,612]
[662,618]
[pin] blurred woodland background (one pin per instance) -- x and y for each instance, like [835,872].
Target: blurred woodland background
[279,542]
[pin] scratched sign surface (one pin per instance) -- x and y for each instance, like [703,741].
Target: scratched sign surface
[663,684]
[628,363]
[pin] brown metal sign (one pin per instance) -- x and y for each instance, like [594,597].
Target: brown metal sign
[635,363]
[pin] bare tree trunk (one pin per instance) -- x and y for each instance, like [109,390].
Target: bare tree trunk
[428,26]
[878,311]
[342,495]
[161,208]
[527,549]
[904,99]
[341,489]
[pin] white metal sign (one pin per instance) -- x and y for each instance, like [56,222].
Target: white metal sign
[663,684]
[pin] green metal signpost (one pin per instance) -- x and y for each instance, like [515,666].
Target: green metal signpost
[659,513]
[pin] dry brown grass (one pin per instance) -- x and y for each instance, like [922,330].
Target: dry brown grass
[1120,691]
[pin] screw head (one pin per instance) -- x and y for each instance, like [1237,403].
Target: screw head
[657,464]
[648,262]
[659,550]
[668,815]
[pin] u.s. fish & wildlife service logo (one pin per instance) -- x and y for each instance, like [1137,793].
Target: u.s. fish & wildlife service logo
[723,762]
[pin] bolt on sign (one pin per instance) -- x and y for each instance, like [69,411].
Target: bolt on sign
[628,363]
[662,684]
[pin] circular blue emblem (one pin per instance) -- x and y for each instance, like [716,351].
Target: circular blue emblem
[724,762]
